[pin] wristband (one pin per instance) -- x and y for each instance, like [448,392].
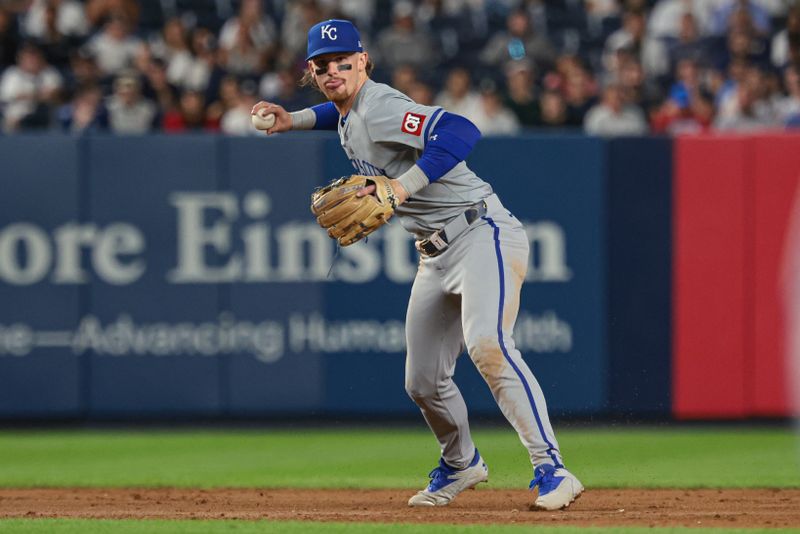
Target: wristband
[303,119]
[413,180]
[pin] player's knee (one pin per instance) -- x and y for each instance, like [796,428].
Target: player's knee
[420,388]
[484,347]
[488,356]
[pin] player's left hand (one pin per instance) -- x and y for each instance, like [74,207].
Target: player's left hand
[354,206]
[400,192]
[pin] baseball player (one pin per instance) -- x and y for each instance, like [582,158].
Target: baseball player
[473,259]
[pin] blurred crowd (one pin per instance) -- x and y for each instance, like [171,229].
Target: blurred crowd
[607,67]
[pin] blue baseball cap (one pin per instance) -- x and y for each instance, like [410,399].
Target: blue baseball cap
[333,35]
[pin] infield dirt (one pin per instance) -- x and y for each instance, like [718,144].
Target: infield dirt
[599,507]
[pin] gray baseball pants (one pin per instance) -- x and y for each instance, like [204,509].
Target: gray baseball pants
[468,297]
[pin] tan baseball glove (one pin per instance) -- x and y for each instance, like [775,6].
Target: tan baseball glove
[347,217]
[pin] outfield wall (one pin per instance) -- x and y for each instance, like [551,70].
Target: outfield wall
[184,276]
[734,197]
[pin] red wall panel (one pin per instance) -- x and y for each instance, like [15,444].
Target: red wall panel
[776,171]
[712,190]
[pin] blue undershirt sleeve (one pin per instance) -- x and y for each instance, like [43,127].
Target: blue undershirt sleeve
[327,116]
[451,141]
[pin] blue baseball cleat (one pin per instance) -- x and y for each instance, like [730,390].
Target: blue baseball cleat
[447,482]
[557,487]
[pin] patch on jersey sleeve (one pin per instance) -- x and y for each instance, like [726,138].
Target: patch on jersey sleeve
[412,123]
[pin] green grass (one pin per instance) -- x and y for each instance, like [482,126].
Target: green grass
[391,458]
[82,526]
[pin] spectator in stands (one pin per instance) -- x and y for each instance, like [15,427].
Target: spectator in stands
[56,45]
[403,43]
[281,88]
[518,41]
[786,43]
[28,90]
[66,17]
[205,73]
[640,58]
[248,40]
[611,117]
[747,109]
[688,44]
[688,108]
[115,47]
[579,90]
[253,20]
[98,12]
[743,42]
[458,96]
[636,89]
[493,118]
[555,78]
[228,98]
[666,20]
[421,93]
[85,113]
[243,58]
[520,95]
[675,117]
[632,38]
[299,17]
[776,9]
[687,82]
[774,90]
[724,88]
[788,107]
[641,6]
[172,47]
[361,12]
[552,110]
[9,39]
[403,77]
[236,120]
[82,72]
[269,85]
[600,14]
[190,115]
[460,28]
[739,48]
[128,111]
[727,11]
[157,88]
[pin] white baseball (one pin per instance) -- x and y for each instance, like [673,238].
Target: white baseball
[263,120]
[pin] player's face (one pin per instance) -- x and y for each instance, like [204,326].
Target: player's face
[338,74]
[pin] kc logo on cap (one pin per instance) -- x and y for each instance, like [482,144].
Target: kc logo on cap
[331,36]
[328,31]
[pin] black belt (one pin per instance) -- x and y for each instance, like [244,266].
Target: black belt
[440,240]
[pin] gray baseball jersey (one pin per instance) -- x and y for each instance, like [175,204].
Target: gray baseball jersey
[385,133]
[465,297]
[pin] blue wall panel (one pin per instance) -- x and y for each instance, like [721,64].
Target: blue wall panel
[640,274]
[39,373]
[208,289]
[158,354]
[281,288]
